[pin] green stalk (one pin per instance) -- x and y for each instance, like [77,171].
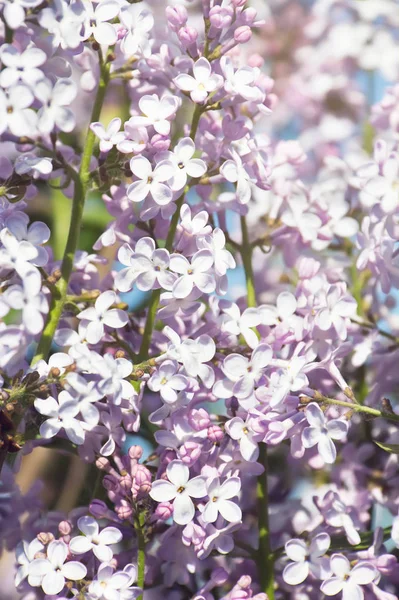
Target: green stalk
[360,408]
[156,294]
[81,187]
[265,557]
[141,554]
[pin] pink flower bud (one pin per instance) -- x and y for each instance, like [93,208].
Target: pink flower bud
[199,419]
[243,34]
[135,452]
[125,482]
[65,527]
[164,511]
[124,510]
[102,463]
[45,537]
[215,434]
[98,508]
[248,16]
[187,36]
[256,60]
[221,17]
[189,453]
[177,17]
[160,143]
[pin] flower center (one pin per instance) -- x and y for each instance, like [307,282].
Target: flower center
[180,489]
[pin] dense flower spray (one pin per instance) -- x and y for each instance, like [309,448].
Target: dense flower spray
[220,361]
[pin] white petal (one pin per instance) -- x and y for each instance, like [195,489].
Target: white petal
[295,573]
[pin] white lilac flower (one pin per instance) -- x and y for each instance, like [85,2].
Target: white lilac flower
[307,559]
[151,181]
[192,274]
[184,164]
[15,113]
[55,100]
[138,22]
[201,83]
[61,416]
[110,136]
[21,67]
[235,171]
[232,321]
[114,585]
[147,266]
[241,431]
[25,553]
[321,432]
[220,500]
[348,580]
[243,373]
[100,315]
[52,572]
[168,381]
[241,81]
[97,21]
[157,112]
[179,488]
[94,539]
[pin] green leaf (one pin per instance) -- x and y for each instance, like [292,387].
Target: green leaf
[391,448]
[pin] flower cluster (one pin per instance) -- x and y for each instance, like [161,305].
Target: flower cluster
[199,211]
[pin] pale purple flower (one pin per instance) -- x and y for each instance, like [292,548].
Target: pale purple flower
[321,432]
[242,81]
[307,559]
[52,572]
[179,488]
[25,554]
[114,585]
[147,266]
[15,113]
[235,171]
[138,22]
[151,181]
[348,580]
[192,274]
[220,500]
[97,21]
[110,136]
[94,539]
[61,416]
[168,381]
[241,431]
[184,164]
[243,373]
[157,112]
[55,100]
[100,315]
[201,83]
[21,67]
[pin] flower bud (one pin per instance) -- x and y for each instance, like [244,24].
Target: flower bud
[98,508]
[45,537]
[135,452]
[189,453]
[164,511]
[124,510]
[221,17]
[243,34]
[199,419]
[187,36]
[177,17]
[160,143]
[65,527]
[215,433]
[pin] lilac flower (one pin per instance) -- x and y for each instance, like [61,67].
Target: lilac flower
[184,164]
[55,100]
[109,137]
[220,500]
[94,539]
[52,572]
[157,112]
[192,274]
[151,181]
[241,431]
[179,488]
[114,585]
[97,22]
[61,416]
[21,67]
[234,171]
[147,266]
[322,432]
[307,559]
[168,382]
[347,580]
[243,373]
[15,112]
[202,83]
[100,314]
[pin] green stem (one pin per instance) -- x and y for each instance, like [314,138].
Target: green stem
[246,254]
[81,187]
[360,408]
[156,294]
[265,558]
[141,554]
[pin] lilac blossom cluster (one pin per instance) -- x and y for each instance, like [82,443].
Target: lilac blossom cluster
[244,438]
